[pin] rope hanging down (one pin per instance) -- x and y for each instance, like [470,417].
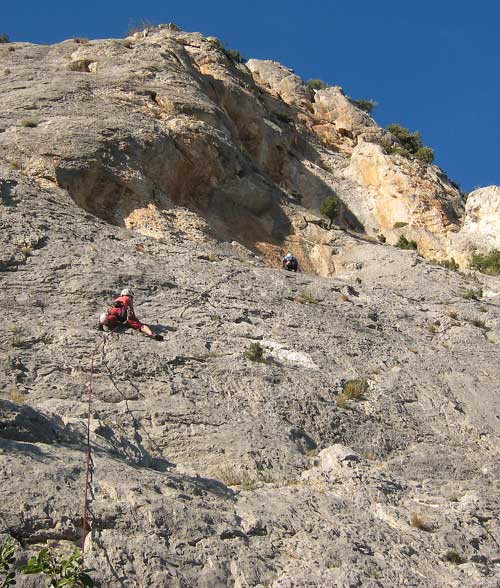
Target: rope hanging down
[89,461]
[89,465]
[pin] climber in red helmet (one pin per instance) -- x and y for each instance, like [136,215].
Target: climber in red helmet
[122,313]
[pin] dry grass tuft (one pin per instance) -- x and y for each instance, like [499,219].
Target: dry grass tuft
[355,389]
[28,123]
[305,298]
[419,523]
[16,396]
[80,65]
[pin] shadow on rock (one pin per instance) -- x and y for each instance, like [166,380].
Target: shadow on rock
[13,447]
[208,485]
[24,423]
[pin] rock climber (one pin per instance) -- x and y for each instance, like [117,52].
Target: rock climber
[290,263]
[122,313]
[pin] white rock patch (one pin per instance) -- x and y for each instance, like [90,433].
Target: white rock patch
[282,353]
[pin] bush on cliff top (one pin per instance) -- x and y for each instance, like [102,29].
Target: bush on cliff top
[410,144]
[316,84]
[366,105]
[232,54]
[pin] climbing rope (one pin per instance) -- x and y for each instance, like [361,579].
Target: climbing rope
[89,464]
[88,461]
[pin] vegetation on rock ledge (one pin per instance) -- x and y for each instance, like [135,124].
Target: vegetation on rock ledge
[487,263]
[411,145]
[366,105]
[329,208]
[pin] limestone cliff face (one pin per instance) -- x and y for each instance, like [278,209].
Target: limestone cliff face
[480,231]
[165,134]
[361,452]
[406,195]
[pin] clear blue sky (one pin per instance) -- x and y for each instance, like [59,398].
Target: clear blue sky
[431,65]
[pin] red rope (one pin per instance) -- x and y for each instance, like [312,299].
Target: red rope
[87,467]
[85,523]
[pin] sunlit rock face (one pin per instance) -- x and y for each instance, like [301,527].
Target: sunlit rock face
[335,427]
[480,231]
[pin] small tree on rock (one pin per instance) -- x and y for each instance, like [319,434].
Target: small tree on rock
[4,38]
[366,105]
[329,208]
[316,84]
[411,144]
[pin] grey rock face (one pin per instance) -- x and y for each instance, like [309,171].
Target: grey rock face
[213,470]
[361,451]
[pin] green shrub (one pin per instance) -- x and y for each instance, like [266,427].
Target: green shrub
[62,572]
[411,145]
[487,263]
[477,322]
[366,105]
[316,84]
[28,123]
[470,293]
[405,243]
[395,150]
[4,38]
[454,557]
[231,54]
[329,208]
[449,264]
[235,55]
[399,225]
[7,560]
[425,154]
[409,140]
[255,353]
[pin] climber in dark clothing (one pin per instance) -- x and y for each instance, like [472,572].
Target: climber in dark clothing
[290,263]
[122,313]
